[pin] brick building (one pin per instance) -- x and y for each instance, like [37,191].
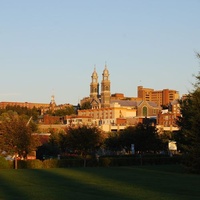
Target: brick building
[160,97]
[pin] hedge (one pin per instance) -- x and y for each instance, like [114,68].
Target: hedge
[5,164]
[138,160]
[104,161]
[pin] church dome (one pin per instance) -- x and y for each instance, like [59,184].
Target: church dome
[105,71]
[94,74]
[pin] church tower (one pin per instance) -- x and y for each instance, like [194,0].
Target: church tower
[94,85]
[105,89]
[52,103]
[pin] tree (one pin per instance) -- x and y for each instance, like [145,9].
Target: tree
[16,135]
[68,110]
[165,137]
[84,140]
[49,149]
[112,142]
[33,112]
[143,136]
[86,105]
[188,137]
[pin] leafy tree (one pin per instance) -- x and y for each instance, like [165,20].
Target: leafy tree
[51,148]
[63,142]
[86,105]
[84,140]
[16,135]
[68,110]
[112,142]
[188,137]
[165,137]
[148,139]
[128,137]
[34,112]
[143,136]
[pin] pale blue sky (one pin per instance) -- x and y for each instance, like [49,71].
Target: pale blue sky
[51,46]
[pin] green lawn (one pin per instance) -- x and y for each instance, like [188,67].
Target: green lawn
[112,183]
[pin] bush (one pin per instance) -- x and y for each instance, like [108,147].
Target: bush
[21,164]
[34,164]
[105,161]
[29,164]
[130,160]
[5,164]
[51,163]
[54,163]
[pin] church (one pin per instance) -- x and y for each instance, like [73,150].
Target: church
[100,100]
[110,113]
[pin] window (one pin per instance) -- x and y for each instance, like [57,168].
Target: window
[144,111]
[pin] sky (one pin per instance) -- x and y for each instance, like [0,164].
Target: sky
[50,47]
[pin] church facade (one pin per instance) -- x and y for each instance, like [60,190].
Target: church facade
[97,99]
[108,112]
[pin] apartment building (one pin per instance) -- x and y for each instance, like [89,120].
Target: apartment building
[160,97]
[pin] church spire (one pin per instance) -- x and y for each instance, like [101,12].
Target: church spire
[105,65]
[105,88]
[52,103]
[94,86]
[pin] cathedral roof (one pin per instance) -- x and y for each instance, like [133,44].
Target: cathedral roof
[129,103]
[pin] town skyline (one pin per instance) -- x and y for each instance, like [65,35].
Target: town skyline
[51,48]
[88,88]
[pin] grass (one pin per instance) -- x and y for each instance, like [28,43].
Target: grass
[117,183]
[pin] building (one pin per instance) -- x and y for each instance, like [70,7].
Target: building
[3,105]
[120,114]
[99,100]
[105,89]
[160,97]
[115,112]
[166,119]
[175,108]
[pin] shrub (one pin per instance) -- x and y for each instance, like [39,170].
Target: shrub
[22,164]
[51,163]
[70,162]
[105,162]
[29,164]
[5,164]
[34,164]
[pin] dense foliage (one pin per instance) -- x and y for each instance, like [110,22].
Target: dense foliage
[34,112]
[81,140]
[188,137]
[16,135]
[84,139]
[143,136]
[68,110]
[86,105]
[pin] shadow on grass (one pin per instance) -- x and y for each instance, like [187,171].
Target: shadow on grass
[53,184]
[153,182]
[8,191]
[117,183]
